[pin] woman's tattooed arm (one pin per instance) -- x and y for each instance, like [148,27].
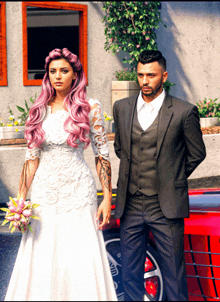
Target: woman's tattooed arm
[104,172]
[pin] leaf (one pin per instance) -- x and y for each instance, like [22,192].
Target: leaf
[30,228]
[4,222]
[35,205]
[35,217]
[11,224]
[23,217]
[11,214]
[26,105]
[20,109]
[4,209]
[22,228]
[14,203]
[13,229]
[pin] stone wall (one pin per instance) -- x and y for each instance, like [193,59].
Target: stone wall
[206,175]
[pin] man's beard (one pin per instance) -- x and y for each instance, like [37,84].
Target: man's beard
[153,91]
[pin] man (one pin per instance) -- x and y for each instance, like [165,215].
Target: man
[159,142]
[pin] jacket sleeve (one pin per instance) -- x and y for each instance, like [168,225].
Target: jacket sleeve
[195,146]
[117,144]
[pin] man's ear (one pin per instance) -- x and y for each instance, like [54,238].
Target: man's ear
[165,76]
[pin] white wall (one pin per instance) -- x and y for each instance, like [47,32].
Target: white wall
[101,64]
[190,44]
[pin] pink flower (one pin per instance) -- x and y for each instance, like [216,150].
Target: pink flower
[13,209]
[16,224]
[11,218]
[124,31]
[132,16]
[144,32]
[112,39]
[146,3]
[148,32]
[207,115]
[17,216]
[147,38]
[21,203]
[27,213]
[138,46]
[133,33]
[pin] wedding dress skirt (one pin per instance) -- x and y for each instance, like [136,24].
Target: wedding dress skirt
[65,257]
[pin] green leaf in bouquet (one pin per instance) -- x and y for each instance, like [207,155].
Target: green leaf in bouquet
[4,209]
[14,203]
[35,217]
[11,214]
[4,222]
[11,224]
[13,229]
[22,228]
[30,228]
[35,205]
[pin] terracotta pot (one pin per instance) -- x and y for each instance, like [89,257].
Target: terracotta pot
[209,121]
[123,89]
[7,132]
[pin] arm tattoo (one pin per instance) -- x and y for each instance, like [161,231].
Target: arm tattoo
[105,173]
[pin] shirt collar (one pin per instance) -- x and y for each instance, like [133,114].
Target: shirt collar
[155,104]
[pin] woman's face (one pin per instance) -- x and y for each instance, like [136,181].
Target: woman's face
[61,75]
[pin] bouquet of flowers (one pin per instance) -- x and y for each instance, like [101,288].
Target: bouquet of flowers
[18,214]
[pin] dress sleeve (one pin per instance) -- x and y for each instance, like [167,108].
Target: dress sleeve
[33,153]
[97,130]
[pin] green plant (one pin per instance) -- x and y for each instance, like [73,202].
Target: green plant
[25,111]
[107,117]
[167,86]
[21,119]
[126,75]
[130,26]
[208,108]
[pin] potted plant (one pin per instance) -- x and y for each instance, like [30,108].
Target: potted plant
[12,129]
[15,128]
[209,112]
[109,124]
[127,84]
[130,26]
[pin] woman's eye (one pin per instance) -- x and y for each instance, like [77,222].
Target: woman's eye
[52,71]
[65,71]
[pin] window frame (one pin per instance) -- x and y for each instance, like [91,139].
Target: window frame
[3,80]
[83,11]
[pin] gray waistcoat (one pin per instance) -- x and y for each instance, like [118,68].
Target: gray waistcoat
[143,176]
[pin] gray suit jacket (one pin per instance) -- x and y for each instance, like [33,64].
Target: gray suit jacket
[180,149]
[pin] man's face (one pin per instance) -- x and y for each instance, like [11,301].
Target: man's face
[151,77]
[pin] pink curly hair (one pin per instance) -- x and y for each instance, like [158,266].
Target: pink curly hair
[77,123]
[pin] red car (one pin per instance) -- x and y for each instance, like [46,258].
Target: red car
[202,251]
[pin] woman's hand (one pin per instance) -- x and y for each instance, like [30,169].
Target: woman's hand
[105,210]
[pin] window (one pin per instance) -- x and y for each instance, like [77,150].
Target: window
[49,25]
[3,54]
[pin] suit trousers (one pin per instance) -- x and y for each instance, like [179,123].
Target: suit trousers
[142,214]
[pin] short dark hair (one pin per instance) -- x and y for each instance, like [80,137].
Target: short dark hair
[149,56]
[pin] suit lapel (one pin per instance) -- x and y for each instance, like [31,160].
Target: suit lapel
[164,121]
[129,120]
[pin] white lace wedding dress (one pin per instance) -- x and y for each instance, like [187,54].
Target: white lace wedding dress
[65,257]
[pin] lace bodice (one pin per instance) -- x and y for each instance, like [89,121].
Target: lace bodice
[55,133]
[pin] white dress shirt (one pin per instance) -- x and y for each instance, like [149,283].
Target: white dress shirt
[147,112]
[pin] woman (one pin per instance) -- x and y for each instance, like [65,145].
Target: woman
[65,257]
